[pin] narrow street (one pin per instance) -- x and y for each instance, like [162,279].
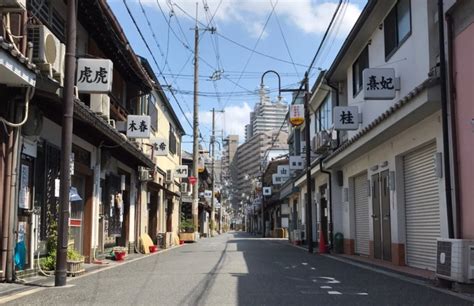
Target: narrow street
[238,269]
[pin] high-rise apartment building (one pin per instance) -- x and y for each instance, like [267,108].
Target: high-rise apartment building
[266,116]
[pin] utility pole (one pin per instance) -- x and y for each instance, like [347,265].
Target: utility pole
[195,204]
[309,227]
[66,146]
[213,150]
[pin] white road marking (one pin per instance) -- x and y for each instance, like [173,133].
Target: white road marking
[334,292]
[313,268]
[304,263]
[325,287]
[362,293]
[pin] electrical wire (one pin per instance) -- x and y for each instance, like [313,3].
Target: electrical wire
[285,42]
[154,60]
[255,46]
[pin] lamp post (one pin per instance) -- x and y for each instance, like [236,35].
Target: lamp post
[305,85]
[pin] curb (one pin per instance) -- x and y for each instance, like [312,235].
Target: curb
[16,295]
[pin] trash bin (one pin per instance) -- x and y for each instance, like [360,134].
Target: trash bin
[339,243]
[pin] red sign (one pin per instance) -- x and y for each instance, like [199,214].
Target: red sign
[192,180]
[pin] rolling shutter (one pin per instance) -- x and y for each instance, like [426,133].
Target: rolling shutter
[361,203]
[421,207]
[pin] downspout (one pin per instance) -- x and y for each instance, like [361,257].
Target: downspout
[330,229]
[6,201]
[331,237]
[445,121]
[454,139]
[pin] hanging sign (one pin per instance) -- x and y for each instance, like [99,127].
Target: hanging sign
[267,191]
[278,179]
[160,146]
[346,117]
[208,194]
[138,126]
[24,200]
[94,75]
[296,162]
[283,170]
[181,171]
[201,164]
[296,114]
[380,83]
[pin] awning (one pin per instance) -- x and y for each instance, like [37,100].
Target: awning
[15,70]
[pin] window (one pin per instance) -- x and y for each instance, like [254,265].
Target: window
[49,16]
[172,137]
[152,111]
[397,26]
[358,67]
[324,115]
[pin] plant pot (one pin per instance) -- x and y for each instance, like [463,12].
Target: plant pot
[74,267]
[119,256]
[153,248]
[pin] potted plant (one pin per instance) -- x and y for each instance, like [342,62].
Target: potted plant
[74,262]
[119,253]
[186,228]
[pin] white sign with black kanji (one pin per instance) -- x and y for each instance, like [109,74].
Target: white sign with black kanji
[160,146]
[267,191]
[138,126]
[283,170]
[379,83]
[296,162]
[94,75]
[208,194]
[181,171]
[346,117]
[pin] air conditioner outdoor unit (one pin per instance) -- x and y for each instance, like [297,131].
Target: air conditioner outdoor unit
[61,64]
[169,176]
[184,188]
[100,104]
[144,174]
[46,48]
[322,142]
[455,260]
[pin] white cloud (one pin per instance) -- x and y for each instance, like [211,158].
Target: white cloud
[233,120]
[307,15]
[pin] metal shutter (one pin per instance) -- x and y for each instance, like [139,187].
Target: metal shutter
[361,203]
[421,207]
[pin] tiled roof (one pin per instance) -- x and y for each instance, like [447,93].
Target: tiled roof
[397,106]
[4,44]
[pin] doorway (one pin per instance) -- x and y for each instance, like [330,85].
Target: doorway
[381,216]
[324,211]
[153,215]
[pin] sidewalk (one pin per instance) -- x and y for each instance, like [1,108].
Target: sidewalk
[38,281]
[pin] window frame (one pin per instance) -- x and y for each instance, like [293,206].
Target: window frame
[355,92]
[399,42]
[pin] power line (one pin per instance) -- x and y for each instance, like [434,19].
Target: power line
[255,46]
[154,59]
[284,40]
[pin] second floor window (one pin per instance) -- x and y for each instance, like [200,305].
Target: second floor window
[172,137]
[358,67]
[397,26]
[324,115]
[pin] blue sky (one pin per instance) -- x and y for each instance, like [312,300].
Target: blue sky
[281,33]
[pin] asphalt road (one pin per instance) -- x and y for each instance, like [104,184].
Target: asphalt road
[237,269]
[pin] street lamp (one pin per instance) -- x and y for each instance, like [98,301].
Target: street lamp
[305,84]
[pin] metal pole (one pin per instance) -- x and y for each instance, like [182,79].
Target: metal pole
[213,212]
[309,228]
[196,128]
[66,146]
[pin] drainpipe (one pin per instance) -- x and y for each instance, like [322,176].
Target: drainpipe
[445,121]
[6,201]
[330,200]
[452,98]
